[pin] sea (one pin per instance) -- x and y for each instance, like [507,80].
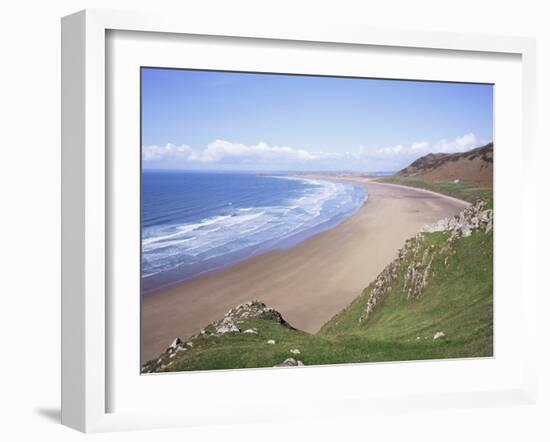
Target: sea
[197,222]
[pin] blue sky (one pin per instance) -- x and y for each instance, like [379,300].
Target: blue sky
[199,120]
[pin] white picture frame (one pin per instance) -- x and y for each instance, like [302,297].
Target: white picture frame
[86,206]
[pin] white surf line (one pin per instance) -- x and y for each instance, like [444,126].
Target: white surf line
[366,181]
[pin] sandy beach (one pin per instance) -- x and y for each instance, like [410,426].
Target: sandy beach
[308,283]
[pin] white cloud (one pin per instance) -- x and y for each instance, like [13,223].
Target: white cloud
[419,148]
[460,144]
[388,152]
[221,151]
[228,153]
[422,145]
[156,153]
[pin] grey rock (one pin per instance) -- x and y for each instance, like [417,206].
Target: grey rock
[290,362]
[175,343]
[227,325]
[472,218]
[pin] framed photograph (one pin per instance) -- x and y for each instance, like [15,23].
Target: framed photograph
[326,212]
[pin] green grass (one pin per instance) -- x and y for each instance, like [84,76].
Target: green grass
[458,300]
[463,191]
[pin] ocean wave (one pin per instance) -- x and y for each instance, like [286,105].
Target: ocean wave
[176,246]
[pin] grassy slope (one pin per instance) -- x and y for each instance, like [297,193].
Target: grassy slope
[457,300]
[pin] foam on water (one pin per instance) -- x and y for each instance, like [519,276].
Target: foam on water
[186,249]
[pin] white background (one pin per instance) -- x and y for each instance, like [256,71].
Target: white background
[259,390]
[30,140]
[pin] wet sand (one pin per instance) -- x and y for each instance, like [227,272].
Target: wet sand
[308,283]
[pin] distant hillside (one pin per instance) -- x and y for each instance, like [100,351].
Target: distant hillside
[473,167]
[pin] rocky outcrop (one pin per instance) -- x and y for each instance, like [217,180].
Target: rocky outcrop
[255,309]
[418,271]
[226,325]
[229,324]
[234,317]
[415,278]
[417,259]
[472,218]
[381,287]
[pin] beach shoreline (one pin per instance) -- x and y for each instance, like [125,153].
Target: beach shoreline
[308,283]
[309,227]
